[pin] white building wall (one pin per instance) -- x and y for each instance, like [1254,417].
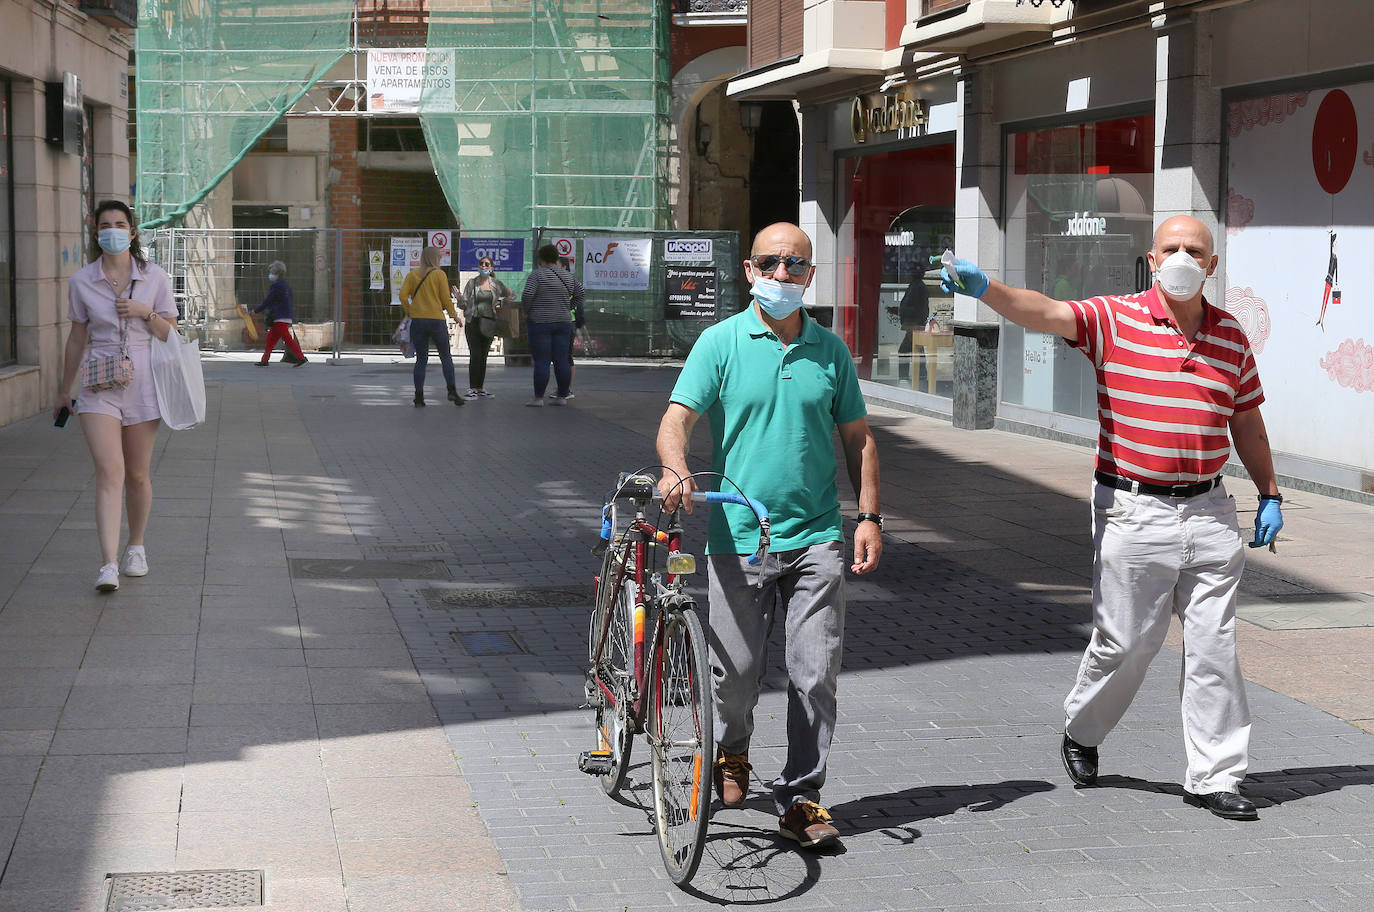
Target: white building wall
[39,42]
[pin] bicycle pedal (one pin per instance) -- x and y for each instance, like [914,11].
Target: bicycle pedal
[595,762]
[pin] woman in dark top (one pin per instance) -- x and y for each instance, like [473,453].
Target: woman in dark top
[549,292]
[481,301]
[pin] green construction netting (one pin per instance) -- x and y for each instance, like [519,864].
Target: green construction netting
[212,77]
[558,112]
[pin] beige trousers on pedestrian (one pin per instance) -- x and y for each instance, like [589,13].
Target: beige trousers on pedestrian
[1157,556]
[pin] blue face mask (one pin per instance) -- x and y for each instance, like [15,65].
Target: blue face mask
[271,277]
[778,299]
[485,270]
[113,240]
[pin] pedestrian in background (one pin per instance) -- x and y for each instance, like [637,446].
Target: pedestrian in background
[280,305]
[565,263]
[118,303]
[482,300]
[1175,374]
[549,294]
[425,299]
[775,386]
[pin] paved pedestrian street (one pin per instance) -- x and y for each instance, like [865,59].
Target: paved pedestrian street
[356,666]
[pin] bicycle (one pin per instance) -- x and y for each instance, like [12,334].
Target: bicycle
[662,691]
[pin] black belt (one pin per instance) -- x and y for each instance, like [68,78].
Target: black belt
[1140,487]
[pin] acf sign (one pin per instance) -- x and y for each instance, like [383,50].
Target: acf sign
[887,112]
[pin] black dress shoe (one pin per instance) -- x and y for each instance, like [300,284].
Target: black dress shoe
[1224,804]
[1080,762]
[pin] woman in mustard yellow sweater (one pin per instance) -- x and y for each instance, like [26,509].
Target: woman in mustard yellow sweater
[425,298]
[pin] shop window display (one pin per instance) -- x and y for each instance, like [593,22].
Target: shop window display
[1079,222]
[899,212]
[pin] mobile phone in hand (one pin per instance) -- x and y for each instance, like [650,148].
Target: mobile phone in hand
[62,415]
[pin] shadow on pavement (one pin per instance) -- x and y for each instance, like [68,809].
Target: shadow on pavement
[1267,789]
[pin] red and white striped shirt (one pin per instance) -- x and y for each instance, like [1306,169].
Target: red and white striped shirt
[1163,404]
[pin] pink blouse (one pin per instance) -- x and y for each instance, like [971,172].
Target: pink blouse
[91,300]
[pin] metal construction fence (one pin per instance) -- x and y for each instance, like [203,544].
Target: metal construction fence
[649,293]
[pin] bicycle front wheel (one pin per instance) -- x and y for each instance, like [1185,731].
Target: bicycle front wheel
[612,650]
[682,741]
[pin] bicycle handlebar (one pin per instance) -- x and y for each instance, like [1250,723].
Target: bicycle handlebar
[635,489]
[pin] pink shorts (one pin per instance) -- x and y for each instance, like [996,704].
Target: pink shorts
[134,404]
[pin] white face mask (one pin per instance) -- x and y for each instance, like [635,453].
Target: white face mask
[1180,276]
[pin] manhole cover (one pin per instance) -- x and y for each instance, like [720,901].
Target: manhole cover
[506,597]
[417,548]
[489,643]
[327,568]
[184,890]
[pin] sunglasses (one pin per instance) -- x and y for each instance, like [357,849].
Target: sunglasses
[485,265]
[767,263]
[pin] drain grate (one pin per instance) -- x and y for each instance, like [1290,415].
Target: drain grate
[416,548]
[328,568]
[505,597]
[184,890]
[489,643]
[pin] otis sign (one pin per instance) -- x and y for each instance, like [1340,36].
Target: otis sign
[891,112]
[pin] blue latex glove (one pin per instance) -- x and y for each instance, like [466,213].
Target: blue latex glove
[1268,522]
[966,279]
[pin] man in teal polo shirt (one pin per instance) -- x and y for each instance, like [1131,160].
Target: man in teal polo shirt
[775,385]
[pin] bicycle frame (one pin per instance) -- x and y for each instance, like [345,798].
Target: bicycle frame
[645,536]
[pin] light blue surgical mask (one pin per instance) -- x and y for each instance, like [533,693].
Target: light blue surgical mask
[778,299]
[485,270]
[271,277]
[113,240]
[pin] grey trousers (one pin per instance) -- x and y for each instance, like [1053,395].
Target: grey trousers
[1157,557]
[807,586]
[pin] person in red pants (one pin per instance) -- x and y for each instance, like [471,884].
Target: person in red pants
[281,313]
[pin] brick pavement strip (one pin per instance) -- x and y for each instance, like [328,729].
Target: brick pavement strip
[944,778]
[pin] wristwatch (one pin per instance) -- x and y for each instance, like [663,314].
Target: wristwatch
[149,318]
[1278,498]
[873,518]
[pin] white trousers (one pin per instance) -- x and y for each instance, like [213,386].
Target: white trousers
[1155,556]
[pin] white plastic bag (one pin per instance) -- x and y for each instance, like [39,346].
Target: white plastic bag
[402,338]
[179,381]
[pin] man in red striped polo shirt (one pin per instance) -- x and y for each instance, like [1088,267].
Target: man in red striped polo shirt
[1174,376]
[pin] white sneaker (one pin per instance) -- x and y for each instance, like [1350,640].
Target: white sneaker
[108,580]
[486,395]
[471,394]
[535,403]
[136,561]
[557,400]
[570,395]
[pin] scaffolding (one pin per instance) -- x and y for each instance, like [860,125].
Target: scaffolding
[557,112]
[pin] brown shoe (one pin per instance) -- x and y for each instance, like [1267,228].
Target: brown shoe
[809,824]
[731,775]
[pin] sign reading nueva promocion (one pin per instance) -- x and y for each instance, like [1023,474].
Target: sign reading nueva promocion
[398,77]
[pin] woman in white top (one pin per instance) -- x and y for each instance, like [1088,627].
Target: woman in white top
[119,293]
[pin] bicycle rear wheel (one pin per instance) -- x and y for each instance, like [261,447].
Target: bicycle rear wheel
[613,620]
[682,741]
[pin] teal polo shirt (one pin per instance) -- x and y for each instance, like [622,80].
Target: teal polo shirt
[773,411]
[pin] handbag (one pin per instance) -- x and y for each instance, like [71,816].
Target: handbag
[108,372]
[179,381]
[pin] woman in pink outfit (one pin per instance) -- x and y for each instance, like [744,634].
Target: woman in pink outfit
[119,293]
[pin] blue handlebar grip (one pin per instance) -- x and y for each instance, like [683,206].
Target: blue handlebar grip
[726,497]
[606,522]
